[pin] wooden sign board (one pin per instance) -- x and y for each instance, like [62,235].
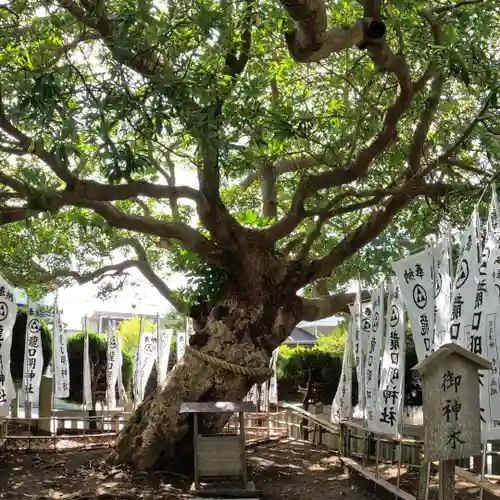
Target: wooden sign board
[450,390]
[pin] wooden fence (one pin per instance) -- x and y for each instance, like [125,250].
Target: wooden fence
[367,453]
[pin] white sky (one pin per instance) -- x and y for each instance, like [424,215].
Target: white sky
[78,301]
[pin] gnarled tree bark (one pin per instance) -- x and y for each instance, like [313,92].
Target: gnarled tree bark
[242,328]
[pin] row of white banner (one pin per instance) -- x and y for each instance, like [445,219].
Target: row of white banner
[146,355]
[33,353]
[261,395]
[148,352]
[440,310]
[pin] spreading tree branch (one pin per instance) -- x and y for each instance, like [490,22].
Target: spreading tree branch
[114,270]
[317,308]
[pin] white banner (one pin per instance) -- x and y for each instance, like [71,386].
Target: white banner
[264,397]
[387,415]
[60,356]
[374,354]
[253,395]
[33,355]
[87,384]
[464,286]
[163,355]
[122,393]
[112,366]
[415,280]
[342,402]
[8,312]
[273,383]
[481,336]
[146,359]
[442,291]
[180,345]
[489,378]
[189,327]
[366,329]
[358,350]
[494,215]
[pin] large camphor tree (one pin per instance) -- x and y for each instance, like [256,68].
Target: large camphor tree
[271,150]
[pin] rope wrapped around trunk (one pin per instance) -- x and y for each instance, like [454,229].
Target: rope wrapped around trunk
[258,374]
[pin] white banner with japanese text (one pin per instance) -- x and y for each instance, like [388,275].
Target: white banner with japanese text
[366,329]
[387,415]
[33,355]
[253,395]
[465,285]
[415,279]
[342,402]
[163,354]
[180,344]
[60,356]
[122,393]
[146,360]
[480,334]
[442,291]
[374,354]
[8,312]
[273,383]
[189,327]
[358,351]
[112,366]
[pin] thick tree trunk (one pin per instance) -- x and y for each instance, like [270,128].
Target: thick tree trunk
[238,331]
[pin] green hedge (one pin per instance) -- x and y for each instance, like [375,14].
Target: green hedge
[324,363]
[97,353]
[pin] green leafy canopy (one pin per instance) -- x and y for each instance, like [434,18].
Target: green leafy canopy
[213,139]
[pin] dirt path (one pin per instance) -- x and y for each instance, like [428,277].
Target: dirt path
[282,471]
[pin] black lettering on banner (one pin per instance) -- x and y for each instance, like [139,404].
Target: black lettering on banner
[424,324]
[457,307]
[394,341]
[393,374]
[463,274]
[419,272]
[476,320]
[419,296]
[481,290]
[394,320]
[454,331]
[468,245]
[3,395]
[391,395]
[4,310]
[408,275]
[388,416]
[395,358]
[427,344]
[475,344]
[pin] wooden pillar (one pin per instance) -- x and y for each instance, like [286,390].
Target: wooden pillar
[243,450]
[423,485]
[45,404]
[447,480]
[195,446]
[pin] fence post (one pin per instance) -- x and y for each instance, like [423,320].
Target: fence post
[343,447]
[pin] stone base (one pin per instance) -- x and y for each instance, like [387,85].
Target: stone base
[228,491]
